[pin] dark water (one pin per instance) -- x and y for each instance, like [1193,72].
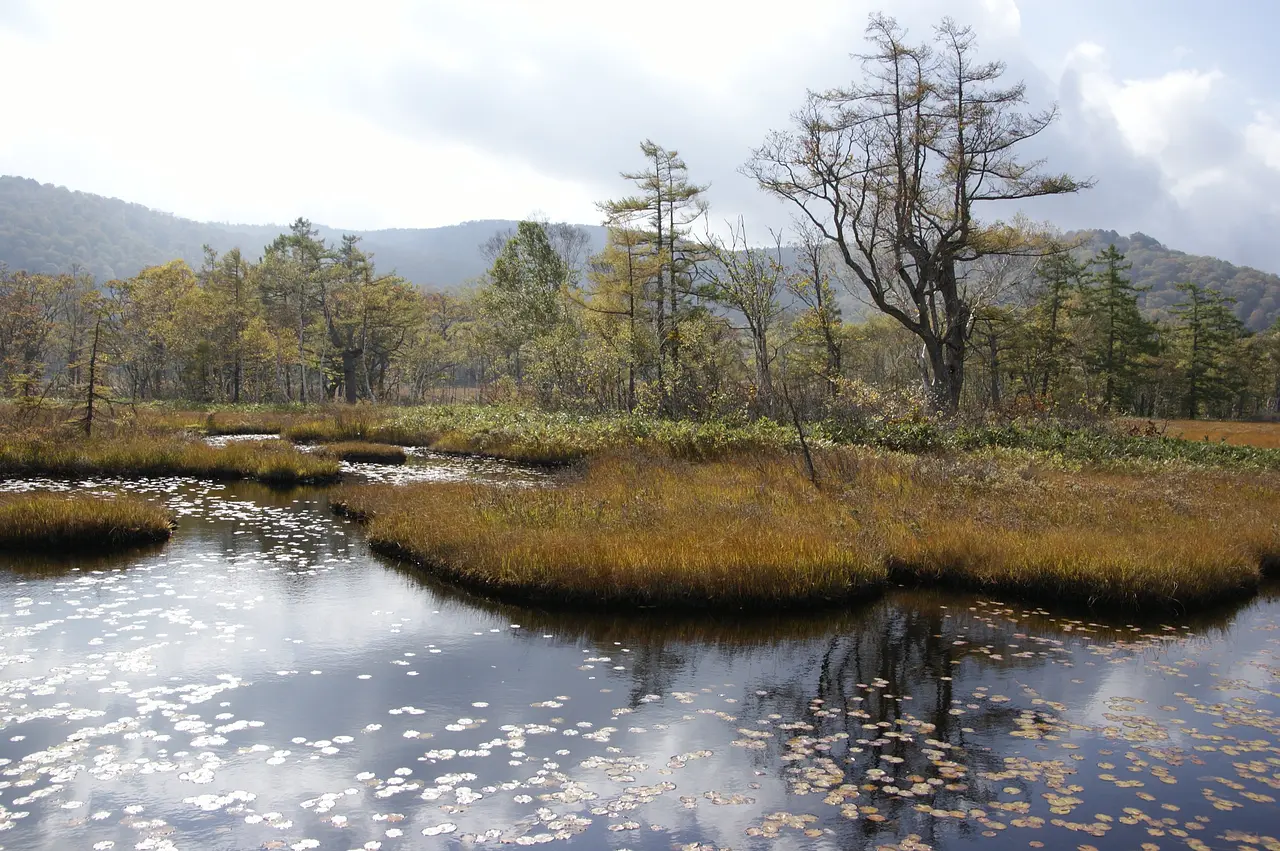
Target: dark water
[263,681]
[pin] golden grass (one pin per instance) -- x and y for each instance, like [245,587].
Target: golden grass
[660,533]
[48,522]
[1264,435]
[272,461]
[756,533]
[360,450]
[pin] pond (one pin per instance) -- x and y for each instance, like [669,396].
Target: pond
[264,681]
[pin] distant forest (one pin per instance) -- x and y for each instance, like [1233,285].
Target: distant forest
[51,229]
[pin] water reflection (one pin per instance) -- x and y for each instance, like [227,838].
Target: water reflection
[263,681]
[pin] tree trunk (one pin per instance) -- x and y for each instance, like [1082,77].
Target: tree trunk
[93,380]
[350,362]
[993,348]
[764,378]
[944,359]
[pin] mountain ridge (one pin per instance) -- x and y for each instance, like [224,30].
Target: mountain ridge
[48,228]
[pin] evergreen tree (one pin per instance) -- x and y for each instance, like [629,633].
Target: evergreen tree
[1119,337]
[668,204]
[524,295]
[1061,275]
[1206,343]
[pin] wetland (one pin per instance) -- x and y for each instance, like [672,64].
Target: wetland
[266,680]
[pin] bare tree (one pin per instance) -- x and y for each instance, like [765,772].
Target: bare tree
[891,169]
[811,284]
[748,280]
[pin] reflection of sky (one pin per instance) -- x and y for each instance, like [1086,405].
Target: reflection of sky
[266,617]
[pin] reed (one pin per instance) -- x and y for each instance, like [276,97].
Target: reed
[50,522]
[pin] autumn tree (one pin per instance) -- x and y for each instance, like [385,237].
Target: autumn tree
[235,313]
[748,281]
[810,283]
[665,208]
[33,307]
[620,280]
[894,171]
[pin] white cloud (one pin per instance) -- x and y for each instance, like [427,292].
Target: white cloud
[1004,16]
[409,114]
[1262,135]
[1149,111]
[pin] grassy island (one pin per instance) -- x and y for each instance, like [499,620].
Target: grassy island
[52,522]
[756,532]
[149,454]
[362,450]
[727,514]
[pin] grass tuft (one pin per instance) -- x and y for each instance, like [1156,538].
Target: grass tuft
[358,450]
[47,522]
[273,461]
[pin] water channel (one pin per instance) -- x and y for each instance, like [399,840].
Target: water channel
[264,681]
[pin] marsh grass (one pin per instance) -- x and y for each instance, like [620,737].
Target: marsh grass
[1261,435]
[539,437]
[660,533]
[358,450]
[755,533]
[532,436]
[63,455]
[242,423]
[48,522]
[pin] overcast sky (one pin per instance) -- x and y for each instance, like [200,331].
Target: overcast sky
[400,114]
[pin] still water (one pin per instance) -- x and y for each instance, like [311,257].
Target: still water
[264,681]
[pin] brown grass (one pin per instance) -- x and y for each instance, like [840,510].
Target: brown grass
[1264,435]
[667,533]
[757,533]
[48,522]
[360,450]
[60,454]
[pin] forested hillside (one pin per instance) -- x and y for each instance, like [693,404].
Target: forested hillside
[50,229]
[46,228]
[1158,267]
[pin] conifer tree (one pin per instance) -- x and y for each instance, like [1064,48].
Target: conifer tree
[1119,336]
[1206,340]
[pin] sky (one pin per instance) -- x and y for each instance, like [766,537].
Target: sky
[421,114]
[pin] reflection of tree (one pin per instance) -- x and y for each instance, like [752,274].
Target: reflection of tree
[906,646]
[898,652]
[835,672]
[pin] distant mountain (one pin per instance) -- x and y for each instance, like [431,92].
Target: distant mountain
[49,228]
[46,228]
[1156,266]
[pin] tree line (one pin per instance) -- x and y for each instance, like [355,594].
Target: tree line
[886,179]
